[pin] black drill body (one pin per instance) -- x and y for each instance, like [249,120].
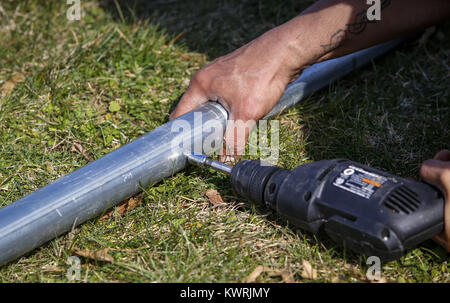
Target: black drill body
[369,211]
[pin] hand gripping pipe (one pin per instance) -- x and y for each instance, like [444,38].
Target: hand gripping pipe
[90,190]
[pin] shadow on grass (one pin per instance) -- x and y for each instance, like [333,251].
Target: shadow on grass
[210,27]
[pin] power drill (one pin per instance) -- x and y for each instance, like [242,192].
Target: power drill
[367,210]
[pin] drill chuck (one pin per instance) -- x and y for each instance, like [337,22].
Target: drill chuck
[249,179]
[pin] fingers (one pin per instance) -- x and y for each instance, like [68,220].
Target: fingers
[437,172]
[235,138]
[443,240]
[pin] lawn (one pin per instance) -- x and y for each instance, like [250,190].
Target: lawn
[72,91]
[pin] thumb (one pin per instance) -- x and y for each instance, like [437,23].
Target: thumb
[191,99]
[443,155]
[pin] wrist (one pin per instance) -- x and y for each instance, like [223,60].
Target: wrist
[294,49]
[317,34]
[278,55]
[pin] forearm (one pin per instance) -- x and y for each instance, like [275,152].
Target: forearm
[249,81]
[333,28]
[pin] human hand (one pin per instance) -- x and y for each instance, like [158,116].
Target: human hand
[247,83]
[437,172]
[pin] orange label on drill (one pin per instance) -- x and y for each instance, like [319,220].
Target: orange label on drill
[359,181]
[371,182]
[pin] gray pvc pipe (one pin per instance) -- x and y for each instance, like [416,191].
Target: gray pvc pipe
[99,185]
[88,191]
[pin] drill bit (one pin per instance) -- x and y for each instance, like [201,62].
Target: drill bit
[200,159]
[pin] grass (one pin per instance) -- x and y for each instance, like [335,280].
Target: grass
[92,85]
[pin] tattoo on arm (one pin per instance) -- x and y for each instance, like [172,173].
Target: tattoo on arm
[358,26]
